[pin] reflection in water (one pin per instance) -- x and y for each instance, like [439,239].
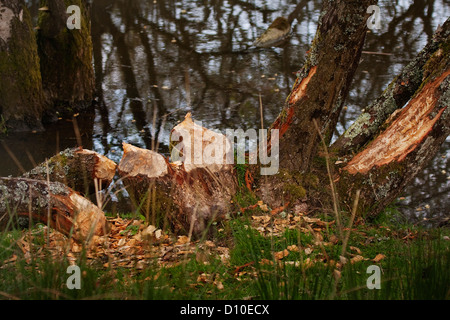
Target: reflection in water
[157,60]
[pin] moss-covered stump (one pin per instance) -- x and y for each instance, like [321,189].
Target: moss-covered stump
[50,203]
[83,170]
[21,94]
[66,56]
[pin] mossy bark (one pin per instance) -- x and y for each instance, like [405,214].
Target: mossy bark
[320,90]
[386,165]
[66,56]
[21,94]
[51,203]
[397,93]
[80,169]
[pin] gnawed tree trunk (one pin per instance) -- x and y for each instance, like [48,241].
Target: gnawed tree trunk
[413,136]
[21,94]
[396,95]
[391,147]
[66,55]
[190,193]
[318,95]
[82,170]
[50,203]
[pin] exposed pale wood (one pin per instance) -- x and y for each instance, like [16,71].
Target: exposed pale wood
[77,168]
[190,193]
[395,96]
[51,203]
[411,127]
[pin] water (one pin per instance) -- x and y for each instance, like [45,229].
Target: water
[157,60]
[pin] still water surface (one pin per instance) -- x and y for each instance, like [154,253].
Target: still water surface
[157,60]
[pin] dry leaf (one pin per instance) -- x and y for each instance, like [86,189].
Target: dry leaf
[337,274]
[378,257]
[293,248]
[357,250]
[149,231]
[140,265]
[12,259]
[75,247]
[121,242]
[356,258]
[263,206]
[182,240]
[334,239]
[266,261]
[218,284]
[281,254]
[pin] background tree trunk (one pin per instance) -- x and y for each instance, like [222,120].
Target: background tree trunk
[66,56]
[21,95]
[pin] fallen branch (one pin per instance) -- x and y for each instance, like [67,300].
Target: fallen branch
[77,168]
[51,203]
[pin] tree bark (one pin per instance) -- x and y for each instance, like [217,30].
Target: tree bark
[318,94]
[21,94]
[66,56]
[396,95]
[411,139]
[82,170]
[50,203]
[188,194]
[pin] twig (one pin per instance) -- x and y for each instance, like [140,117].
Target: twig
[333,191]
[355,207]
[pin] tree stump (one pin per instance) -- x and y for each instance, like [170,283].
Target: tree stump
[83,170]
[189,193]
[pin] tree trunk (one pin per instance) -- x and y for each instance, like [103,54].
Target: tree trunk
[411,139]
[318,94]
[21,94]
[82,170]
[50,203]
[188,194]
[392,147]
[66,55]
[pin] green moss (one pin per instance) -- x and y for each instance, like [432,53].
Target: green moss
[295,191]
[20,84]
[437,61]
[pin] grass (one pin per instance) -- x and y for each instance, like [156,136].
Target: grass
[416,266]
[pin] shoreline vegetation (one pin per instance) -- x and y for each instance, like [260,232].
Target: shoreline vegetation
[256,255]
